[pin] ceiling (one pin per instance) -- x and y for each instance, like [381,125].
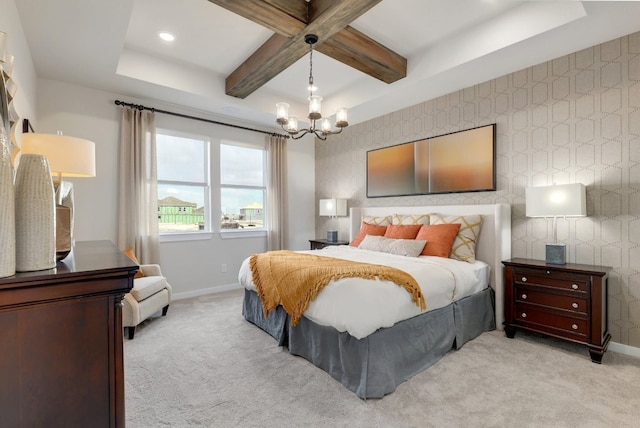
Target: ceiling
[449,45]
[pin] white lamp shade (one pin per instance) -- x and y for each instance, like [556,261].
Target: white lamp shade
[333,207]
[67,156]
[565,200]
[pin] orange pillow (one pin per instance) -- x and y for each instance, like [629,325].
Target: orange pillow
[439,238]
[402,231]
[129,253]
[367,229]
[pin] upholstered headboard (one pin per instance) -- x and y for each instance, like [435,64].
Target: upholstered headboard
[494,242]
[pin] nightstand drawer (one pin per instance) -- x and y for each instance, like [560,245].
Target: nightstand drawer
[531,295]
[551,322]
[548,278]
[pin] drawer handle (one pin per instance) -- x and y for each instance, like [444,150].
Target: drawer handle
[574,286]
[524,297]
[524,315]
[574,305]
[548,272]
[524,279]
[574,326]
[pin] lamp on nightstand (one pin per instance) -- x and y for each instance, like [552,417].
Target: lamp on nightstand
[333,208]
[565,200]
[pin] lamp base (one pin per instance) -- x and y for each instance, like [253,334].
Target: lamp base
[332,235]
[556,254]
[63,232]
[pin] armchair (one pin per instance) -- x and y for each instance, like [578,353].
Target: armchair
[150,294]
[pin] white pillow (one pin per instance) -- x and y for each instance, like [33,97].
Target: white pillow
[401,247]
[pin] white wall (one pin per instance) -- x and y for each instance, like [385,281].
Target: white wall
[23,70]
[192,267]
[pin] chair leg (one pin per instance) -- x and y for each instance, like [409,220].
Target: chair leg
[131,331]
[164,310]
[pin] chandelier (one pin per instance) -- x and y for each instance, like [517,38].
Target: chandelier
[290,123]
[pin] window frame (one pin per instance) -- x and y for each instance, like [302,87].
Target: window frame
[207,232]
[243,233]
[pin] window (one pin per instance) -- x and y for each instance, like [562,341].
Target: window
[242,187]
[183,183]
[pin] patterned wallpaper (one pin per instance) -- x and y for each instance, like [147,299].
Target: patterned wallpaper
[573,119]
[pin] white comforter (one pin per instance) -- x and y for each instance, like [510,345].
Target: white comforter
[361,306]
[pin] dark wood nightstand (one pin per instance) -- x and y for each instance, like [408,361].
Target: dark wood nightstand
[565,301]
[318,244]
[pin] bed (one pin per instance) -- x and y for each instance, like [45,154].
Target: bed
[342,337]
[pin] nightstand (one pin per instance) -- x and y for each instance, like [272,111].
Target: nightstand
[318,244]
[565,301]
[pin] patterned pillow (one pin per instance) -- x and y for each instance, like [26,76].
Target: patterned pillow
[402,231]
[367,229]
[401,247]
[410,219]
[380,221]
[464,246]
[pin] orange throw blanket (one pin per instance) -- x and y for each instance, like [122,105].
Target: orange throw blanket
[295,279]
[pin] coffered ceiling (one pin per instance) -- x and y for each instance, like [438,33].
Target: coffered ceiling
[238,58]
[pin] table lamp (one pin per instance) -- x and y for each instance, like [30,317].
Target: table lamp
[68,157]
[333,208]
[565,200]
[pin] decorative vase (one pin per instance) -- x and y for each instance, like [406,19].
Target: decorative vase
[7,209]
[35,215]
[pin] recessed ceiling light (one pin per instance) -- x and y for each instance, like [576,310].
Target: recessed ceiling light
[166,36]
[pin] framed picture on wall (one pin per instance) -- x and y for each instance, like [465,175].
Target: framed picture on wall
[463,161]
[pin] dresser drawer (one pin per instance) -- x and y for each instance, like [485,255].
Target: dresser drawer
[575,303]
[548,278]
[552,322]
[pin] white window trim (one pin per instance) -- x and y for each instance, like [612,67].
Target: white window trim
[182,236]
[235,234]
[244,233]
[209,227]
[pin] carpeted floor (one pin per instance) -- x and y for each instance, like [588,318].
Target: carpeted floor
[203,365]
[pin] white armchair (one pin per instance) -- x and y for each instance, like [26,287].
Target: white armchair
[150,294]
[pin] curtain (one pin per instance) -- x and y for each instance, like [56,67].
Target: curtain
[138,196]
[277,198]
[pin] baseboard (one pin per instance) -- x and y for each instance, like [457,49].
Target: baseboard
[631,351]
[204,291]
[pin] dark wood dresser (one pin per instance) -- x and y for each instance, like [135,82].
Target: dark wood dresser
[565,301]
[61,355]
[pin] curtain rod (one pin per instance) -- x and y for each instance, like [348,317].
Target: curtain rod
[141,107]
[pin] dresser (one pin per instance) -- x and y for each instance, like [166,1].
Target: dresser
[61,355]
[565,301]
[318,244]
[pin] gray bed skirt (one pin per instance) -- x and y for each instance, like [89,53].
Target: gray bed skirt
[375,365]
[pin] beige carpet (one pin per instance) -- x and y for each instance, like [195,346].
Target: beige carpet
[203,365]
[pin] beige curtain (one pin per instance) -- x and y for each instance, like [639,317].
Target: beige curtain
[277,199]
[138,196]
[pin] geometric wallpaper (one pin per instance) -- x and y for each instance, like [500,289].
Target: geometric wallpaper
[572,119]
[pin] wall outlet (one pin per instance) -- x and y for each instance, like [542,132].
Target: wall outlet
[223,267]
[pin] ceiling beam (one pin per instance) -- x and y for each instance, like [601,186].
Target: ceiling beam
[356,50]
[285,17]
[329,20]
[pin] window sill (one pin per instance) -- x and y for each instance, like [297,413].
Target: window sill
[191,236]
[235,234]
